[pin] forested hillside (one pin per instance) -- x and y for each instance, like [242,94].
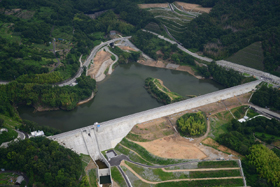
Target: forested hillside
[45,162]
[233,25]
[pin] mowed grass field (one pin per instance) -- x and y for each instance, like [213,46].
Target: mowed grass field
[250,56]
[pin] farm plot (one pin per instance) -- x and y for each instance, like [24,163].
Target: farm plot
[175,21]
[250,56]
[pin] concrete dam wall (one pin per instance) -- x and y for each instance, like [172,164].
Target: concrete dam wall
[110,133]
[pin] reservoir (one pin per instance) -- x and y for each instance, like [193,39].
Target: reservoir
[121,94]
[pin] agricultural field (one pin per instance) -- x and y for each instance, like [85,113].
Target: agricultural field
[250,56]
[173,21]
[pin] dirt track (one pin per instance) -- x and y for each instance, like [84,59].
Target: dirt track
[155,5]
[193,7]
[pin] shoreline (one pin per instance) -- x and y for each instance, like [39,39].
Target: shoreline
[179,68]
[46,109]
[86,100]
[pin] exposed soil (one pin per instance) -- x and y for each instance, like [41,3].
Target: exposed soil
[162,64]
[156,5]
[276,144]
[126,48]
[175,147]
[91,165]
[153,130]
[193,7]
[211,142]
[42,108]
[189,70]
[100,57]
[86,100]
[115,184]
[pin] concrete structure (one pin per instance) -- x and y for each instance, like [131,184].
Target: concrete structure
[37,133]
[89,140]
[19,180]
[267,77]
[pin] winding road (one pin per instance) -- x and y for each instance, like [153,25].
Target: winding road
[91,56]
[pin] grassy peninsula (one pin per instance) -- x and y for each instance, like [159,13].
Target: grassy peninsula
[156,88]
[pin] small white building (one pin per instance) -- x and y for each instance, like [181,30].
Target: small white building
[37,133]
[242,120]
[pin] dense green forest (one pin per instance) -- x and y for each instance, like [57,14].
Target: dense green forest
[33,94]
[27,36]
[155,92]
[125,57]
[45,162]
[151,44]
[241,138]
[30,126]
[267,97]
[227,78]
[192,124]
[233,25]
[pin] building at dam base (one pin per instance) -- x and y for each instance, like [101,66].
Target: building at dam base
[91,140]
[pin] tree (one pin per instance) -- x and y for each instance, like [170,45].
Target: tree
[1,123]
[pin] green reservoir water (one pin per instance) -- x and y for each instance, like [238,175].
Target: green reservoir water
[121,94]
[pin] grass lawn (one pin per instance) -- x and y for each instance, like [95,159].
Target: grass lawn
[93,178]
[204,183]
[239,112]
[266,137]
[117,176]
[251,56]
[218,164]
[251,113]
[219,123]
[147,155]
[156,174]
[134,157]
[10,125]
[221,173]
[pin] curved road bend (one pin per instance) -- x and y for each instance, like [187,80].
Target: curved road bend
[91,56]
[86,63]
[116,59]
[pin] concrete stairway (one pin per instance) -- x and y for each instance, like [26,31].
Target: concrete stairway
[91,143]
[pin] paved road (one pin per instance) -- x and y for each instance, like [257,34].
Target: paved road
[266,77]
[86,63]
[91,56]
[21,136]
[111,66]
[124,176]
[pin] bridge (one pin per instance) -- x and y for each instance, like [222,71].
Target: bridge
[93,139]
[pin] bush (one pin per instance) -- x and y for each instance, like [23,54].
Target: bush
[192,124]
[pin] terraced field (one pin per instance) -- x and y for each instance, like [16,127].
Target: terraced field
[173,21]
